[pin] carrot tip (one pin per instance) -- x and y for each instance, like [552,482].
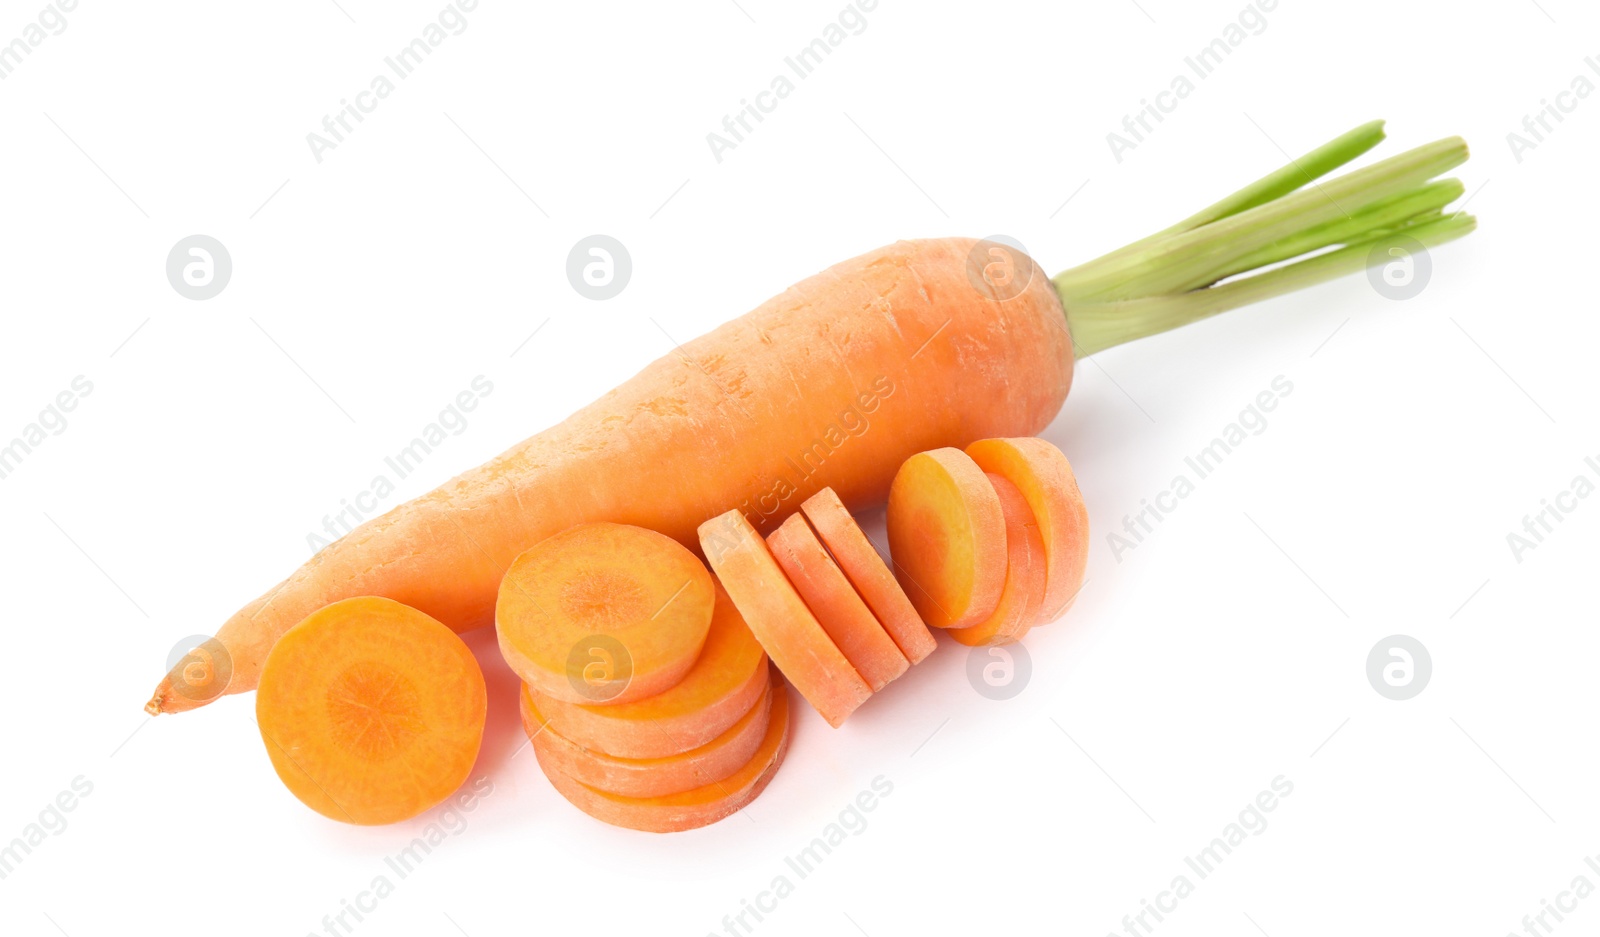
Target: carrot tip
[154,706]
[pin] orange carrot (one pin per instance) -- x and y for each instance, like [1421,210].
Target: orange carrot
[1024,590]
[834,602]
[649,777]
[832,383]
[701,806]
[604,613]
[838,380]
[861,564]
[779,619]
[947,538]
[371,712]
[1044,476]
[726,680]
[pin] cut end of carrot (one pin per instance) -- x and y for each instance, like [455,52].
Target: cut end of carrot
[371,711]
[729,676]
[1041,472]
[1024,590]
[604,614]
[947,537]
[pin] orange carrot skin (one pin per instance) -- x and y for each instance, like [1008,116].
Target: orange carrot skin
[834,382]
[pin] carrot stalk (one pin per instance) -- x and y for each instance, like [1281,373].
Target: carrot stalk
[1098,326]
[1308,168]
[1182,273]
[1389,214]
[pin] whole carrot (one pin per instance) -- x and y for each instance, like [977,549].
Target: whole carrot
[839,379]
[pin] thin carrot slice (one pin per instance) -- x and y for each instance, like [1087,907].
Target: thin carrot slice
[866,570]
[371,711]
[701,806]
[649,777]
[834,602]
[727,679]
[1044,476]
[947,538]
[604,613]
[779,619]
[1025,574]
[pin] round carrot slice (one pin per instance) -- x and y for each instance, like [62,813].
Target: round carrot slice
[727,679]
[371,711]
[861,564]
[1044,476]
[947,538]
[701,806]
[649,777]
[834,602]
[1025,574]
[604,613]
[779,619]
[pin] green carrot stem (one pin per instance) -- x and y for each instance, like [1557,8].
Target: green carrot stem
[1383,216]
[1308,168]
[1098,326]
[1173,263]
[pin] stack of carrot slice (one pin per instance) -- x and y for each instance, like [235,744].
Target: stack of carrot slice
[821,601]
[986,544]
[591,614]
[991,541]
[654,692]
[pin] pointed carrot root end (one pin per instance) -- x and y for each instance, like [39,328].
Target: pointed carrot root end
[166,701]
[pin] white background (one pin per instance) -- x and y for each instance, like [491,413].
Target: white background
[1226,650]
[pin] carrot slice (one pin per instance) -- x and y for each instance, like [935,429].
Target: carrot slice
[1025,574]
[604,613]
[649,777]
[371,711]
[727,679]
[1044,476]
[779,619]
[947,538]
[834,602]
[858,559]
[701,806]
